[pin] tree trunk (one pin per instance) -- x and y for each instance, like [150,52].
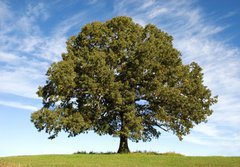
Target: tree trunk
[123,146]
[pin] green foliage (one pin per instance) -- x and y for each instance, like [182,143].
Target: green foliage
[122,79]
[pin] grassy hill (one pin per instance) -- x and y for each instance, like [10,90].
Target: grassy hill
[118,160]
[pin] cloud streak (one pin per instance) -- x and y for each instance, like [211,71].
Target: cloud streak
[18,105]
[25,53]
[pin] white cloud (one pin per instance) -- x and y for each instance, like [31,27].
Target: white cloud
[38,11]
[63,27]
[21,72]
[8,57]
[208,130]
[197,140]
[25,52]
[18,105]
[52,48]
[22,81]
[228,15]
[156,12]
[147,4]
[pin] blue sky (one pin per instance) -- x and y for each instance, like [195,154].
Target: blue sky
[33,35]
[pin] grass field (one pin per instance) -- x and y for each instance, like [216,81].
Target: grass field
[118,160]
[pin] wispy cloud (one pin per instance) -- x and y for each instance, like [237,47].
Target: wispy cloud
[147,4]
[63,27]
[25,53]
[228,15]
[37,11]
[197,140]
[18,105]
[8,57]
[22,81]
[208,130]
[156,12]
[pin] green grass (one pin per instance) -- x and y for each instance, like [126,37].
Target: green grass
[118,160]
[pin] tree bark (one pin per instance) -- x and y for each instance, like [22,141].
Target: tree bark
[123,146]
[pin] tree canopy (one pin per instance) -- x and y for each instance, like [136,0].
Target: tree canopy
[124,80]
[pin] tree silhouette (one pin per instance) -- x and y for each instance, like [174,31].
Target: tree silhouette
[124,80]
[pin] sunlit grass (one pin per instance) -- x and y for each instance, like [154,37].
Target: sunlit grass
[118,160]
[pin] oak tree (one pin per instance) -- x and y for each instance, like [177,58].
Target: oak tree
[124,80]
